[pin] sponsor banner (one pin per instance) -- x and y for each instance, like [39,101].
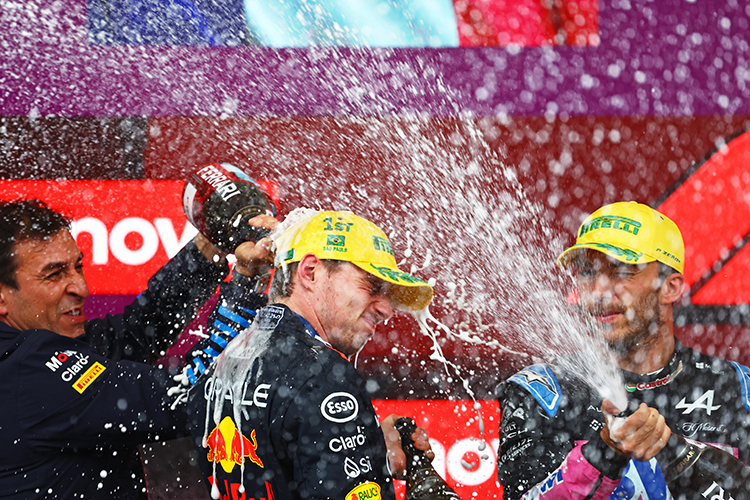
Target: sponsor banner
[126,229]
[464,457]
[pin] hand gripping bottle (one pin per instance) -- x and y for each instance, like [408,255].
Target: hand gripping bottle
[219,199]
[422,481]
[698,471]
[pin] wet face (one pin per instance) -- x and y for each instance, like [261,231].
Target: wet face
[51,287]
[620,300]
[351,304]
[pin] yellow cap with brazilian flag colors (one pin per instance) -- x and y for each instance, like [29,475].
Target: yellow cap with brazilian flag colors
[632,233]
[348,237]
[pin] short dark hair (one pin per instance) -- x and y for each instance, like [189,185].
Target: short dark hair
[282,283]
[22,220]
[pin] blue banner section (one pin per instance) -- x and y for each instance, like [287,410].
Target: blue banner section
[278,24]
[166,22]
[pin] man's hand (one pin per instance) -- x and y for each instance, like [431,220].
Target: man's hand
[640,436]
[209,250]
[396,456]
[255,258]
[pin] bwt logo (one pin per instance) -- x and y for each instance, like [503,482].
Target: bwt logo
[104,241]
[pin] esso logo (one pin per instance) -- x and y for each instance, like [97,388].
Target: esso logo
[340,407]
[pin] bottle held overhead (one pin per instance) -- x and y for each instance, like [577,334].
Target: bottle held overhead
[422,480]
[219,199]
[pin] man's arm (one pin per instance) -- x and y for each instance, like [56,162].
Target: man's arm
[238,302]
[538,457]
[155,319]
[69,396]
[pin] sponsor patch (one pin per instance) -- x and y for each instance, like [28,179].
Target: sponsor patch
[228,446]
[646,386]
[268,318]
[88,377]
[340,407]
[353,469]
[365,491]
[705,402]
[352,442]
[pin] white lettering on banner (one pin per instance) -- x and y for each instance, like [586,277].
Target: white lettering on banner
[133,225]
[485,468]
[98,232]
[168,235]
[161,230]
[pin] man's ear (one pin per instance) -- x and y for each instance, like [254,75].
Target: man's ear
[3,303]
[672,288]
[308,270]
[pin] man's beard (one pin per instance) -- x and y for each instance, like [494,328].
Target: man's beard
[639,331]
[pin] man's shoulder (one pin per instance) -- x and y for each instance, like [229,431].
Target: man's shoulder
[13,341]
[540,382]
[727,377]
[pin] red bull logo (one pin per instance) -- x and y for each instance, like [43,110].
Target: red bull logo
[229,447]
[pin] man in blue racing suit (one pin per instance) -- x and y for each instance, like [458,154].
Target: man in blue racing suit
[627,262]
[281,413]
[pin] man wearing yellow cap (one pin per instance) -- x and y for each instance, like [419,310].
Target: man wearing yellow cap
[282,413]
[627,263]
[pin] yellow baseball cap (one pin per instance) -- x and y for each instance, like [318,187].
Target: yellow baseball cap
[346,236]
[632,233]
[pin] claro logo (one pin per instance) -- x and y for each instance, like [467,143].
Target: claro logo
[114,241]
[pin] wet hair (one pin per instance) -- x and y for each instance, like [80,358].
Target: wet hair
[282,283]
[23,220]
[665,271]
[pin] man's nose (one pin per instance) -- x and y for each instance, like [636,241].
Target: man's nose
[78,286]
[603,285]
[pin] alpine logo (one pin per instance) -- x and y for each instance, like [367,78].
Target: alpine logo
[705,402]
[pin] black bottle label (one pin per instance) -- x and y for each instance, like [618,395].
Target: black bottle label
[219,199]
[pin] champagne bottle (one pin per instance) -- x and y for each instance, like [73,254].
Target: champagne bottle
[698,471]
[422,481]
[219,199]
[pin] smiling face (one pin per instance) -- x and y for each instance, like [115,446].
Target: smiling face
[350,304]
[621,301]
[51,287]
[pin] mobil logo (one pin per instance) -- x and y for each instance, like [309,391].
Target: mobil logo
[228,446]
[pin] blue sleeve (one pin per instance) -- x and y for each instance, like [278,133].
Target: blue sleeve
[156,318]
[234,311]
[532,442]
